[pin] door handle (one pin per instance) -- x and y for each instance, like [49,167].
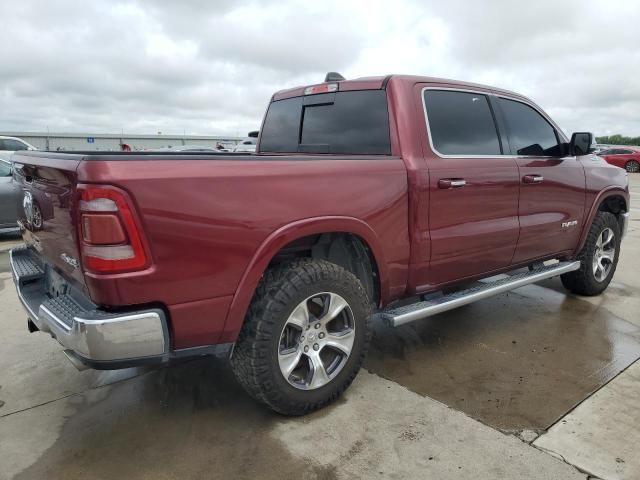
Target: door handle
[451,183]
[532,179]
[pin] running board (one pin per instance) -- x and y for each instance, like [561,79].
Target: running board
[415,311]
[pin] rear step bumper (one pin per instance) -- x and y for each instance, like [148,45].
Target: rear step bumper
[409,313]
[93,337]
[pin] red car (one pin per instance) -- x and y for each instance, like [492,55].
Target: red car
[387,195]
[623,157]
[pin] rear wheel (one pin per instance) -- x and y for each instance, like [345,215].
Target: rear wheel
[632,166]
[305,336]
[599,257]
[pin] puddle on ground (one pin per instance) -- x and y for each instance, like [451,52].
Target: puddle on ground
[186,421]
[516,361]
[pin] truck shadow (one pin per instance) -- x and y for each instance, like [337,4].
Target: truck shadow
[190,420]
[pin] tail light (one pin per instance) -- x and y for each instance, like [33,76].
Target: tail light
[110,238]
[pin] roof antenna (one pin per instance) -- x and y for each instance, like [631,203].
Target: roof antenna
[333,77]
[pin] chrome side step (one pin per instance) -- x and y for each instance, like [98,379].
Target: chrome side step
[409,313]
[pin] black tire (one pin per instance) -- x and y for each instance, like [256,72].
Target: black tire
[584,281]
[255,356]
[632,166]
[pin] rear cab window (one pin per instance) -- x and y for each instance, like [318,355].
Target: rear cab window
[461,123]
[352,122]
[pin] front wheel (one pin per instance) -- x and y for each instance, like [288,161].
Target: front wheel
[305,336]
[599,257]
[632,166]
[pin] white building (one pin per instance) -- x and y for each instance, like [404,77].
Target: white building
[102,141]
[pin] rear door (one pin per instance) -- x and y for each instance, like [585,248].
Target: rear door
[473,203]
[552,187]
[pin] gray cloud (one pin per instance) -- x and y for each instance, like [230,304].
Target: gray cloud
[210,67]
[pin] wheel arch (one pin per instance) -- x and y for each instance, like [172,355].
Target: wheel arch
[612,199]
[288,235]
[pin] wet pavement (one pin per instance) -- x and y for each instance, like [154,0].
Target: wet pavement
[193,421]
[516,362]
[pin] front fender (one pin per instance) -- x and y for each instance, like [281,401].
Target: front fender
[602,196]
[285,235]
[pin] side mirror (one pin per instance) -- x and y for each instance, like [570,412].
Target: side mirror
[253,134]
[581,143]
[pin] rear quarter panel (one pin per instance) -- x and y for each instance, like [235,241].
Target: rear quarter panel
[206,220]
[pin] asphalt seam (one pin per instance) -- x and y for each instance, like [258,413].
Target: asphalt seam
[593,393]
[559,455]
[82,392]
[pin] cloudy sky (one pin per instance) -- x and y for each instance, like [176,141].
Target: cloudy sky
[210,66]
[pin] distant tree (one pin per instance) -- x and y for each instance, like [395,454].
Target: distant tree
[618,139]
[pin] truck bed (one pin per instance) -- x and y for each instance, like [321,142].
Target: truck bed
[205,216]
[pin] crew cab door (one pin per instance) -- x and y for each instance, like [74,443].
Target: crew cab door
[473,190]
[552,187]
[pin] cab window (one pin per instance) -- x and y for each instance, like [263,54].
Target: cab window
[529,132]
[461,123]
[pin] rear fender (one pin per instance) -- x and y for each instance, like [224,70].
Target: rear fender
[285,235]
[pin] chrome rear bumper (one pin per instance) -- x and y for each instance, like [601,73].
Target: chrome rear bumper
[95,337]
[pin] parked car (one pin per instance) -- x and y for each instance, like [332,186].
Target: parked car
[246,146]
[185,148]
[623,157]
[600,148]
[8,198]
[386,189]
[8,145]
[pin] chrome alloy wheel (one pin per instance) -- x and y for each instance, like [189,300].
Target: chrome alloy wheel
[604,254]
[316,341]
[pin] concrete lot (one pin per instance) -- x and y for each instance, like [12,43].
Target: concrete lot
[524,385]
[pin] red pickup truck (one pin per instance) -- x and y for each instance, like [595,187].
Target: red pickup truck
[375,199]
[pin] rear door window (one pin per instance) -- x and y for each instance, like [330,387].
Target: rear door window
[354,122]
[529,132]
[5,169]
[14,145]
[461,123]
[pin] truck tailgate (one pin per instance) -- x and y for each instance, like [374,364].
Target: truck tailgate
[46,210]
